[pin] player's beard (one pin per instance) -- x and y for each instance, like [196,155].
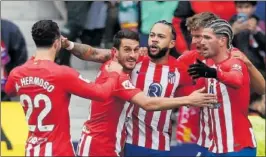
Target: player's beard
[125,68]
[162,52]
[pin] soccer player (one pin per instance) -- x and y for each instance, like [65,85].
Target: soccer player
[105,127]
[229,79]
[195,25]
[158,75]
[45,90]
[159,40]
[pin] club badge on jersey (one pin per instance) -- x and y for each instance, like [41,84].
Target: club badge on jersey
[171,77]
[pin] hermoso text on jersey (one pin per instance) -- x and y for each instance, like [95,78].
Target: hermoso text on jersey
[25,81]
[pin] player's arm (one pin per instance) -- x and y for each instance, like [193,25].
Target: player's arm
[197,98]
[186,57]
[87,52]
[185,78]
[75,84]
[128,92]
[10,88]
[257,81]
[232,77]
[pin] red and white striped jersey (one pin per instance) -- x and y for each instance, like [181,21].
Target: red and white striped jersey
[104,132]
[152,129]
[227,128]
[45,90]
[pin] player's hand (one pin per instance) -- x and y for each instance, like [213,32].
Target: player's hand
[201,99]
[114,67]
[64,42]
[143,51]
[201,70]
[240,55]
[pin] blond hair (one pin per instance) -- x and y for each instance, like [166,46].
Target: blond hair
[200,20]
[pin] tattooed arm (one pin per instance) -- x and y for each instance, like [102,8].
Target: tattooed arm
[87,52]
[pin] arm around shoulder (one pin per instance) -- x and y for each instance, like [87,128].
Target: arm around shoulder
[75,83]
[197,98]
[87,52]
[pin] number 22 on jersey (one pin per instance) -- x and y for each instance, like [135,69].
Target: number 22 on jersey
[36,104]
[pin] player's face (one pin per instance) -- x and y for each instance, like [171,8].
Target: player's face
[210,43]
[196,35]
[128,54]
[160,40]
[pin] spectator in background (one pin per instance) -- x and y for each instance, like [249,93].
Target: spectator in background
[186,9]
[128,15]
[111,23]
[95,23]
[260,12]
[76,17]
[151,12]
[250,39]
[13,51]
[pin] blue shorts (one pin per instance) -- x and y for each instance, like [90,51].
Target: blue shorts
[250,152]
[133,150]
[188,149]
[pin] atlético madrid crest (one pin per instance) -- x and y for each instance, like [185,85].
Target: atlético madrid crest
[171,77]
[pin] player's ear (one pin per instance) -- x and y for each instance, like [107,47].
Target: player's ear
[56,44]
[172,44]
[115,51]
[222,41]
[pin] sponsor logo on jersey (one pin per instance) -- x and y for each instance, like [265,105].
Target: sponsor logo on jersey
[237,67]
[155,90]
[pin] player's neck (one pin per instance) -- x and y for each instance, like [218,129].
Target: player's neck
[163,60]
[44,54]
[221,55]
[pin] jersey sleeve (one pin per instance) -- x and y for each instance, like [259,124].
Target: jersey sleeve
[75,83]
[125,89]
[232,75]
[10,86]
[186,58]
[185,79]
[184,90]
[200,83]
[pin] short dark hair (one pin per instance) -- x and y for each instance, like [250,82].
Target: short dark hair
[253,3]
[45,32]
[200,20]
[255,17]
[124,34]
[170,25]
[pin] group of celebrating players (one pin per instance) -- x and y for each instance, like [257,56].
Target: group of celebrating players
[134,92]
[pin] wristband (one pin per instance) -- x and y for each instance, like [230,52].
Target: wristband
[71,46]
